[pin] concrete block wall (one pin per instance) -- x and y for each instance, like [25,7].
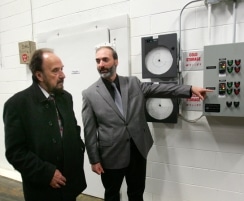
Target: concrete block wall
[202,161]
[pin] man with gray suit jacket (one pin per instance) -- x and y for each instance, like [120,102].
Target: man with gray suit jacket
[117,141]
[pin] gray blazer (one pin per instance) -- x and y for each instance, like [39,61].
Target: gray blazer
[107,132]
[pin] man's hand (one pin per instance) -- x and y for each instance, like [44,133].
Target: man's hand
[97,168]
[200,92]
[58,180]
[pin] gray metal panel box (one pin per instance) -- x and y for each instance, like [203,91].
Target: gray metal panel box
[224,73]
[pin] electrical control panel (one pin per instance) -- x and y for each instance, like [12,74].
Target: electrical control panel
[224,74]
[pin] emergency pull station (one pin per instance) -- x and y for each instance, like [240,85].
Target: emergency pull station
[26,49]
[224,73]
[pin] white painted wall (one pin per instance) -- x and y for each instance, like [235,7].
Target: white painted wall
[200,161]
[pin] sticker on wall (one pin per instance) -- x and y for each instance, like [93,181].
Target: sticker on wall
[192,60]
[192,104]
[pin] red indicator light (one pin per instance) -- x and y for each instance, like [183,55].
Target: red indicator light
[238,62]
[237,69]
[237,84]
[237,91]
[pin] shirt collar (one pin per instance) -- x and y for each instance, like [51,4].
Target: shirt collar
[116,81]
[46,94]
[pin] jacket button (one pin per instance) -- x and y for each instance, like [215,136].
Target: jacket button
[50,123]
[54,141]
[46,106]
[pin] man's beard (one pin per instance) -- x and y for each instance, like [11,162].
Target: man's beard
[108,74]
[57,90]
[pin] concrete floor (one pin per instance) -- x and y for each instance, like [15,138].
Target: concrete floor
[11,190]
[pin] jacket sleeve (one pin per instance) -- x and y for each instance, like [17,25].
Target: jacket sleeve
[90,130]
[164,90]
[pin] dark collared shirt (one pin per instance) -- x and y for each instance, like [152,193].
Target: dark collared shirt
[110,87]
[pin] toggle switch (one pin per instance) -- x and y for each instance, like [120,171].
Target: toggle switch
[228,103]
[236,104]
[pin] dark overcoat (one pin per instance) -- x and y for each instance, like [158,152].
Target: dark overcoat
[35,147]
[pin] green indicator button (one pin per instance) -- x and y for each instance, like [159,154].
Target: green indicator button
[229,84]
[230,62]
[229,69]
[229,91]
